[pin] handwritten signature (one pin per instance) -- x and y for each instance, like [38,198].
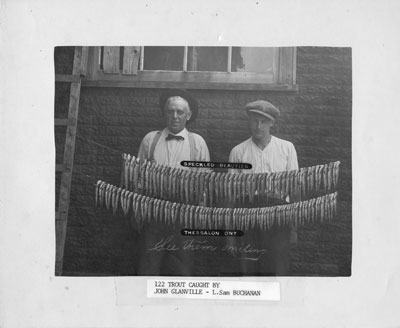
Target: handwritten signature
[165,244]
[243,252]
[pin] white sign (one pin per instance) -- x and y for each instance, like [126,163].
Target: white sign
[209,289]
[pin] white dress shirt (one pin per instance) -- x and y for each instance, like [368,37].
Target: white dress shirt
[279,155]
[172,152]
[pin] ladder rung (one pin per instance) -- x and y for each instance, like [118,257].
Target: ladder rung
[61,168]
[61,215]
[65,121]
[67,78]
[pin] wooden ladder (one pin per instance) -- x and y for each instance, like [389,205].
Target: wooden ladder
[79,70]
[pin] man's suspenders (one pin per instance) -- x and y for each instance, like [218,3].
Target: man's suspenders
[192,146]
[153,145]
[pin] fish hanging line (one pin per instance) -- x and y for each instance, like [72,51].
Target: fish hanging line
[98,144]
[87,175]
[145,209]
[201,187]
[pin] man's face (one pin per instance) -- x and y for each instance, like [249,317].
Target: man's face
[260,126]
[177,113]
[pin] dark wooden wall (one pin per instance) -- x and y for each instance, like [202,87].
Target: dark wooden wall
[316,118]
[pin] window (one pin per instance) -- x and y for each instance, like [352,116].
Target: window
[193,67]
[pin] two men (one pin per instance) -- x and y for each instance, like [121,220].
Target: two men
[175,143]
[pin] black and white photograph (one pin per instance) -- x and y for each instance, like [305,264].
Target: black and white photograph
[199,164]
[203,161]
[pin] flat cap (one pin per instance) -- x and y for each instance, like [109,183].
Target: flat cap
[193,104]
[264,108]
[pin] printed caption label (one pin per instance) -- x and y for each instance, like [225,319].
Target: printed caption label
[209,289]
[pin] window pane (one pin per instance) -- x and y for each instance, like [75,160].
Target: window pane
[163,58]
[258,60]
[213,59]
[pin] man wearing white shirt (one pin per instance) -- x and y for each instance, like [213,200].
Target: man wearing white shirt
[267,154]
[175,143]
[170,146]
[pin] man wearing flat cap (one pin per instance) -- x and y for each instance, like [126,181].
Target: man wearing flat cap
[267,154]
[175,143]
[264,151]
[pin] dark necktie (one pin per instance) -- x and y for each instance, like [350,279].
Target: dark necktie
[172,137]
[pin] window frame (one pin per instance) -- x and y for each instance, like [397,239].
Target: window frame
[285,76]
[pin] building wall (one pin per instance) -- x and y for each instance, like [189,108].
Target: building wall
[316,118]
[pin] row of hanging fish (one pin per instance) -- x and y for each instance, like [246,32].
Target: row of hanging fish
[144,209]
[210,188]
